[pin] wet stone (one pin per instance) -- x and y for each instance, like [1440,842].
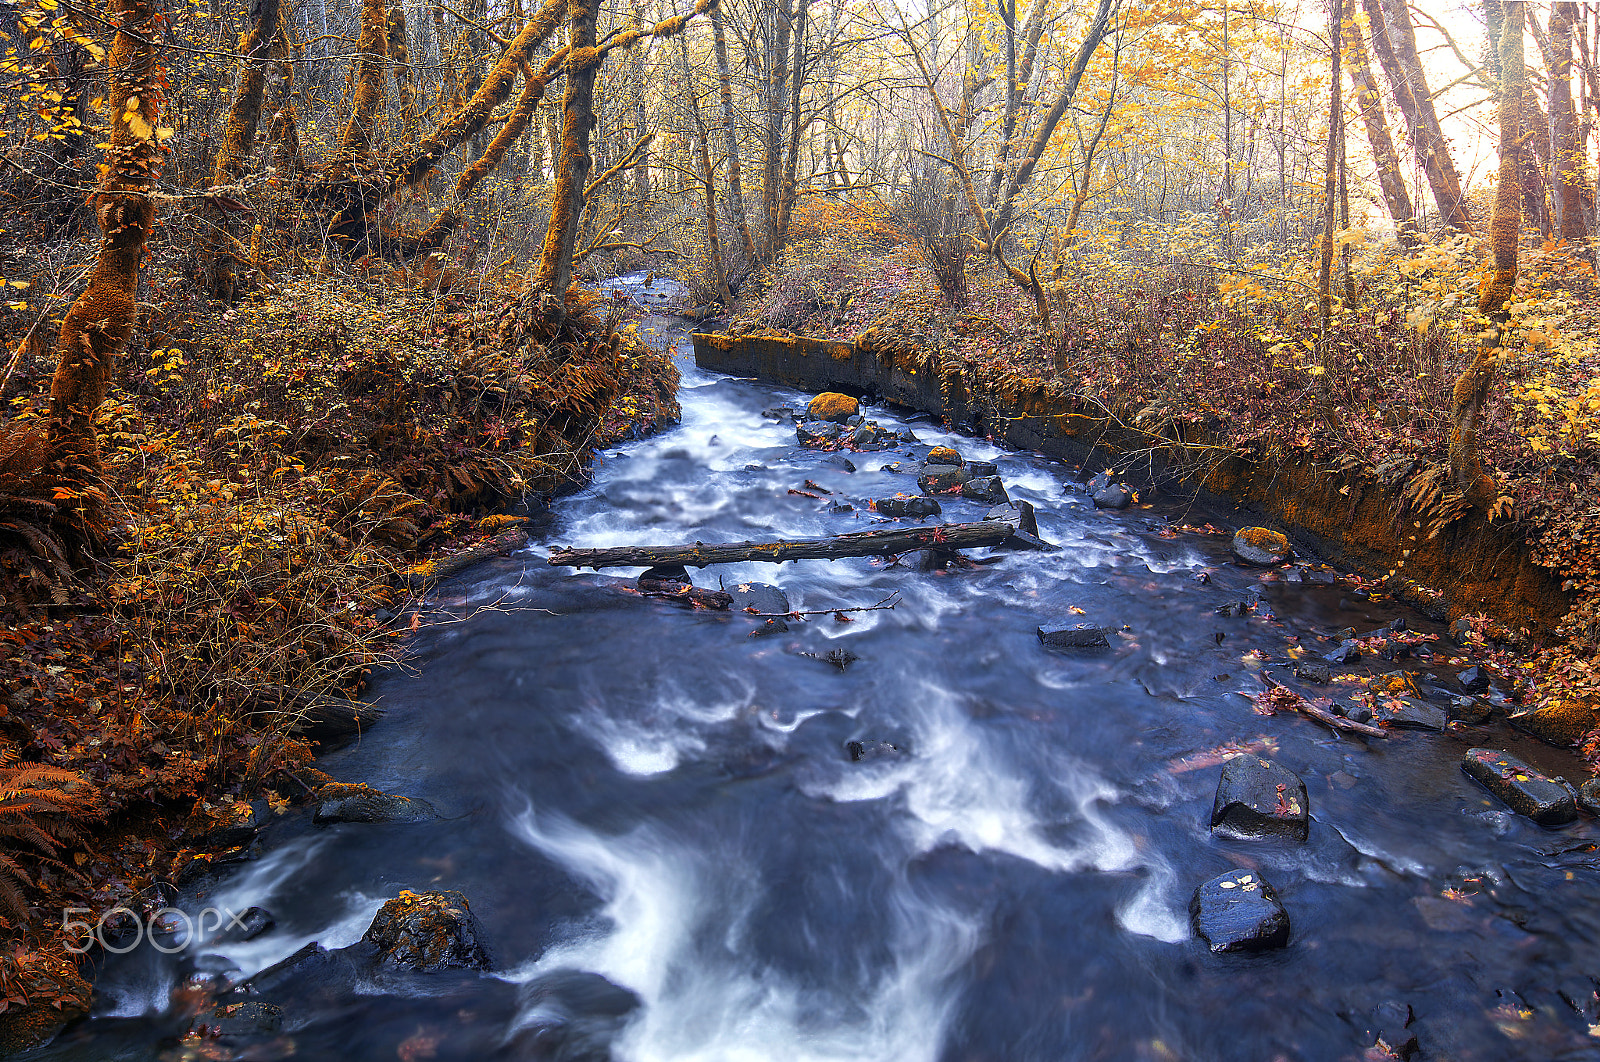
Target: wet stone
[1259,798]
[1523,789]
[1309,672]
[840,461]
[1347,653]
[355,802]
[940,478]
[1407,714]
[1099,482]
[779,413]
[1238,911]
[873,750]
[759,597]
[1018,513]
[987,489]
[893,466]
[1469,709]
[832,406]
[1081,636]
[979,469]
[1589,796]
[1390,1031]
[664,579]
[772,626]
[913,507]
[428,931]
[1115,496]
[1260,546]
[817,434]
[251,1018]
[944,455]
[1474,680]
[248,926]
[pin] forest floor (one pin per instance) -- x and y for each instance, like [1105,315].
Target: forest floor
[273,469]
[1234,350]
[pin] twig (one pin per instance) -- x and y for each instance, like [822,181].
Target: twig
[1322,715]
[887,603]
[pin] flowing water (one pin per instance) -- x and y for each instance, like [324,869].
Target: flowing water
[673,857]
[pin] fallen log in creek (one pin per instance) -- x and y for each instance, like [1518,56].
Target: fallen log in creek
[856,544]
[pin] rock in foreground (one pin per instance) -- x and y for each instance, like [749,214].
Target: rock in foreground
[1526,791]
[1259,798]
[347,802]
[1238,911]
[427,931]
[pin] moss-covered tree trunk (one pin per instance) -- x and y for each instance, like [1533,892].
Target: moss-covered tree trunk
[1472,386]
[554,274]
[100,320]
[708,182]
[1567,177]
[238,140]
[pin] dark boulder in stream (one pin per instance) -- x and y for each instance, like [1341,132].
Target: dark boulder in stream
[987,489]
[817,434]
[760,597]
[427,931]
[1259,798]
[1527,792]
[355,802]
[1116,496]
[941,479]
[912,507]
[1238,911]
[873,750]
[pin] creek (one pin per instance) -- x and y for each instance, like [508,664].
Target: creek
[673,856]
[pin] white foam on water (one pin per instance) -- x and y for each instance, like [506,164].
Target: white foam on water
[671,930]
[1156,910]
[655,738]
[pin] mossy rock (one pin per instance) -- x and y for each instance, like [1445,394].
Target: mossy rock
[944,455]
[428,931]
[56,994]
[830,405]
[1260,546]
[1560,723]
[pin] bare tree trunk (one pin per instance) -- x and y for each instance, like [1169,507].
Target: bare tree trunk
[708,182]
[1472,386]
[1329,170]
[1396,44]
[796,89]
[238,140]
[1391,181]
[282,131]
[99,322]
[731,135]
[775,86]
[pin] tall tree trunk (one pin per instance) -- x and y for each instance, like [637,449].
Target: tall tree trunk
[731,136]
[1396,44]
[283,131]
[708,182]
[1391,180]
[775,90]
[1330,165]
[1567,162]
[99,322]
[355,143]
[1472,386]
[641,118]
[238,141]
[399,45]
[796,127]
[554,274]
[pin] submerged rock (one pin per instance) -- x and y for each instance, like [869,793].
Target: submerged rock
[778,413]
[1081,636]
[1260,546]
[1310,672]
[1405,713]
[1238,911]
[1259,798]
[761,597]
[872,750]
[841,462]
[913,507]
[1474,680]
[1523,789]
[772,626]
[1114,496]
[427,931]
[1470,709]
[356,802]
[979,469]
[248,926]
[1347,653]
[1390,1032]
[832,406]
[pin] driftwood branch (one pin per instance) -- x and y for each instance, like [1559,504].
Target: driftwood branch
[427,573]
[882,606]
[1322,715]
[859,544]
